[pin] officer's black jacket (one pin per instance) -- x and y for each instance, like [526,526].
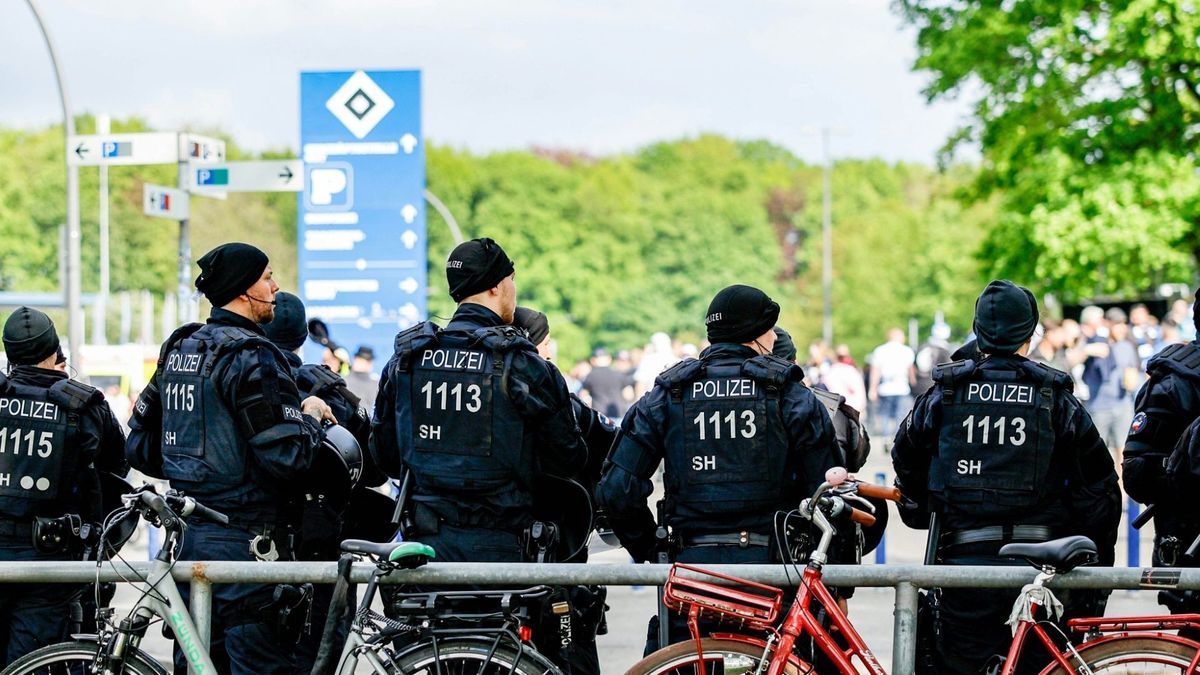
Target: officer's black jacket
[549,426]
[626,484]
[1167,403]
[98,445]
[278,455]
[1081,495]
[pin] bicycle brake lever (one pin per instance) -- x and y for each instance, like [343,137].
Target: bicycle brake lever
[864,503]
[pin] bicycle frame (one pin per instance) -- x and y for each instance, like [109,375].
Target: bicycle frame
[174,612]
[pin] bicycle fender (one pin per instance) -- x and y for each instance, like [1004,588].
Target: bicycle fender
[1124,635]
[142,658]
[795,661]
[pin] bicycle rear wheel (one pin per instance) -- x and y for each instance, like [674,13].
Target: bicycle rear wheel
[471,657]
[721,657]
[1144,655]
[76,658]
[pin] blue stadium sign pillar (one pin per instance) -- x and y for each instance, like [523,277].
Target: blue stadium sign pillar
[362,213]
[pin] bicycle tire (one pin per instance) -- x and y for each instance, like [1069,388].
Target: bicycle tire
[1134,654]
[470,657]
[74,658]
[721,657]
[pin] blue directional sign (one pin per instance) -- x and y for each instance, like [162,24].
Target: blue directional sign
[212,177]
[362,212]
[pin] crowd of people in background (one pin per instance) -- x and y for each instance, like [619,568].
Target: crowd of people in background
[1105,351]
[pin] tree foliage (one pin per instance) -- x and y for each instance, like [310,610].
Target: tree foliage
[611,248]
[1087,114]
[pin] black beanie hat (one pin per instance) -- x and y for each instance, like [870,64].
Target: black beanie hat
[740,314]
[785,346]
[29,337]
[1006,315]
[228,270]
[289,329]
[475,266]
[533,322]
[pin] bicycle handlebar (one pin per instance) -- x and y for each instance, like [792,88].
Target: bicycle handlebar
[861,517]
[879,491]
[186,506]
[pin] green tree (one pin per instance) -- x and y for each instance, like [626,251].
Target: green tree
[1087,114]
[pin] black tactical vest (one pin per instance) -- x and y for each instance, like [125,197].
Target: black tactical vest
[203,449]
[38,428]
[996,438]
[458,428]
[726,449]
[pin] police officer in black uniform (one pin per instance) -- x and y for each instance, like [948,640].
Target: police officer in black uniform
[1002,451]
[55,434]
[224,422]
[587,602]
[1158,466]
[324,492]
[742,438]
[476,416]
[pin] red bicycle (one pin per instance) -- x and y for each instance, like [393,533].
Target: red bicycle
[765,644]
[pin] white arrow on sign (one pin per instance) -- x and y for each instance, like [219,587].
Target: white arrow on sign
[123,149]
[281,175]
[409,212]
[164,202]
[409,143]
[409,285]
[409,238]
[199,149]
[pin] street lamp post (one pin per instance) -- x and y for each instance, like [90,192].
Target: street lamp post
[72,290]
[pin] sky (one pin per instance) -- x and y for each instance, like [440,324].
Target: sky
[600,76]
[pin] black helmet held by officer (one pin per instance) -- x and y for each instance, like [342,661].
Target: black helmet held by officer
[223,421]
[1162,459]
[55,434]
[1001,451]
[741,439]
[475,415]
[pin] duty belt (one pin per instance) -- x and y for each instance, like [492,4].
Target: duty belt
[16,527]
[1005,533]
[742,539]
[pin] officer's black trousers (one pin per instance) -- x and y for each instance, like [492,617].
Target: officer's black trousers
[32,615]
[243,642]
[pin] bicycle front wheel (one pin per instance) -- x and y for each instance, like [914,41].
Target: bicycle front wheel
[471,657]
[76,658]
[1134,654]
[721,657]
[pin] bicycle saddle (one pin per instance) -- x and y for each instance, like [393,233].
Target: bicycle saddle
[407,552]
[1063,554]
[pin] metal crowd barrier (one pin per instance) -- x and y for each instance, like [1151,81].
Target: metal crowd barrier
[905,579]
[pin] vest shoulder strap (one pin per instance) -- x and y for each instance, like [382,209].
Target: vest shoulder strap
[772,370]
[681,373]
[503,339]
[239,339]
[948,375]
[74,397]
[325,382]
[1182,359]
[414,340]
[178,335]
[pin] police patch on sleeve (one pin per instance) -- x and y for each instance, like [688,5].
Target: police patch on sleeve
[1139,423]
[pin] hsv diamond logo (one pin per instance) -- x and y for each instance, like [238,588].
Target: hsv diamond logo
[360,104]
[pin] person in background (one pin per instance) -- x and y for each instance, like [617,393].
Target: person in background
[362,380]
[893,374]
[607,386]
[936,350]
[844,377]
